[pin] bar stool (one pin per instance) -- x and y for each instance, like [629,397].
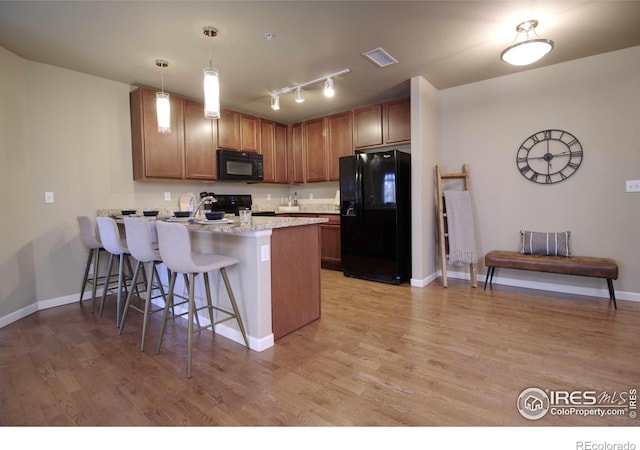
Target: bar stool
[90,239]
[175,249]
[139,238]
[117,248]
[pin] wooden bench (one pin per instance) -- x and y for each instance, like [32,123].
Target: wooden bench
[585,266]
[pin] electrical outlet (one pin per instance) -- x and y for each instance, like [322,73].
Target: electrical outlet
[268,196]
[167,196]
[310,195]
[48,197]
[633,185]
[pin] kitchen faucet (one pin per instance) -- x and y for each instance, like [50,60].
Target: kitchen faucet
[194,212]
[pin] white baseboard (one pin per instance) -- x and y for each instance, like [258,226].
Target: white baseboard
[552,287]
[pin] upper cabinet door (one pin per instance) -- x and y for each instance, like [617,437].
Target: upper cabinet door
[200,143]
[296,155]
[249,133]
[397,121]
[340,140]
[315,150]
[280,154]
[229,129]
[155,155]
[267,148]
[367,126]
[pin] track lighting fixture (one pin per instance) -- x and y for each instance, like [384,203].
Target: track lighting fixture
[329,88]
[211,82]
[163,105]
[529,50]
[329,91]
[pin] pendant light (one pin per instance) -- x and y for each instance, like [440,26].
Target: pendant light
[211,82]
[163,105]
[529,50]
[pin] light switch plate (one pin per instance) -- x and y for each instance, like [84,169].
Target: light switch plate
[633,185]
[167,196]
[265,253]
[48,197]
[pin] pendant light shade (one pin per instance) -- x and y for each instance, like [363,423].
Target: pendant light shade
[163,104]
[211,94]
[528,51]
[211,82]
[163,112]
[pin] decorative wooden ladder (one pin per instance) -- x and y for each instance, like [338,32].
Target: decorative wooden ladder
[443,235]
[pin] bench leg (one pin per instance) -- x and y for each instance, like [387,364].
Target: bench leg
[489,277]
[612,294]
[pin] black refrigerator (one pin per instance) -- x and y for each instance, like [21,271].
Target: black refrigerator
[375,216]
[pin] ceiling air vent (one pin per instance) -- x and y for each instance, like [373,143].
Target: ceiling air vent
[380,57]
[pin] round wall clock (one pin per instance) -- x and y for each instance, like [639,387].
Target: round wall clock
[549,156]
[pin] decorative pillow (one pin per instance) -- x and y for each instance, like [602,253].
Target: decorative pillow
[551,244]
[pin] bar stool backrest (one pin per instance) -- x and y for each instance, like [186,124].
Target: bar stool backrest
[140,239]
[175,247]
[110,236]
[88,233]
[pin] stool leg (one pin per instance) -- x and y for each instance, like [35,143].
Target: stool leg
[106,284]
[121,285]
[207,288]
[129,295]
[147,302]
[192,307]
[172,283]
[232,298]
[86,274]
[96,271]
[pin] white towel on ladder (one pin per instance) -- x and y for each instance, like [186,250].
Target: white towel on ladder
[462,243]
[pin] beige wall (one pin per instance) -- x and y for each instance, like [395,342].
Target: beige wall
[598,100]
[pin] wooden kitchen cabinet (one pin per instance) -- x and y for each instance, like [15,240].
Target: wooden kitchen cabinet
[229,129]
[296,154]
[397,121]
[273,147]
[330,250]
[280,154]
[382,124]
[315,150]
[367,126]
[155,155]
[249,133]
[340,141]
[200,143]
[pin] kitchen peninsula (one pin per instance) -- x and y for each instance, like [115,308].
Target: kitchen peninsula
[277,281]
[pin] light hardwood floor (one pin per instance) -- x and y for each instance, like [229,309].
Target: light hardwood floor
[380,355]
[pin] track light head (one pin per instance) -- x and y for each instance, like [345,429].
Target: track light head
[329,91]
[275,102]
[299,97]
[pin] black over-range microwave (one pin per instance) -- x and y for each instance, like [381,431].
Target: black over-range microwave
[234,165]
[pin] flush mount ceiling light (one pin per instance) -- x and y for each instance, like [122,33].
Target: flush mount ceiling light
[163,105]
[380,57]
[529,50]
[211,82]
[329,89]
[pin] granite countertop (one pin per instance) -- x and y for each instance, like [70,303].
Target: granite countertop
[256,224]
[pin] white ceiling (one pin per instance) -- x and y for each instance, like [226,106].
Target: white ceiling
[449,43]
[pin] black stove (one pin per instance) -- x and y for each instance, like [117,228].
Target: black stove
[230,204]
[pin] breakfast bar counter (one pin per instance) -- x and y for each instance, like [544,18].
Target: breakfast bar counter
[277,281]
